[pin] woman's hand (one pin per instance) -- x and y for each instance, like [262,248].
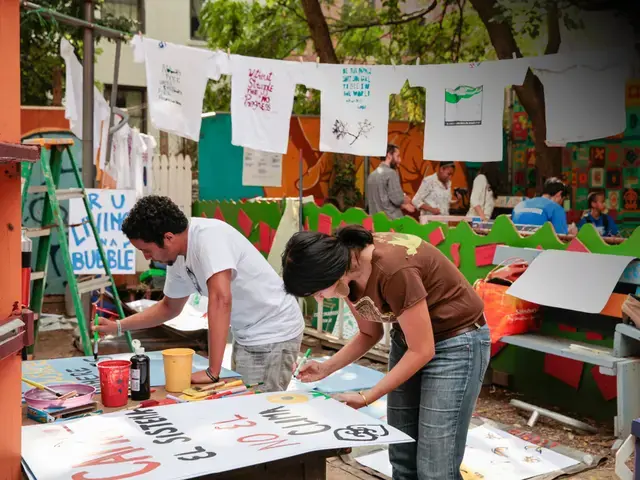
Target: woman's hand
[352,399]
[311,371]
[105,327]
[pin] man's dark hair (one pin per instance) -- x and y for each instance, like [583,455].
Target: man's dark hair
[554,185]
[391,149]
[593,196]
[153,216]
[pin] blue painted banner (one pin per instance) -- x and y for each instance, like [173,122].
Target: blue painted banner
[83,369]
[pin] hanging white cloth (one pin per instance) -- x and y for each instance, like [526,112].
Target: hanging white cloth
[73,104]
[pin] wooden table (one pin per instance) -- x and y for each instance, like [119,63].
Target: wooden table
[309,466]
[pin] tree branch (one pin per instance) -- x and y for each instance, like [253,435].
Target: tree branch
[404,19]
[319,31]
[553,28]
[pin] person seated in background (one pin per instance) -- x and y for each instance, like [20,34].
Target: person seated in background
[596,216]
[385,192]
[434,195]
[546,208]
[484,192]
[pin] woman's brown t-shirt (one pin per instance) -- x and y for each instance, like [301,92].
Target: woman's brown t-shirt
[406,270]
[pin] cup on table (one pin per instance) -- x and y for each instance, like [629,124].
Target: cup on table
[178,364]
[114,382]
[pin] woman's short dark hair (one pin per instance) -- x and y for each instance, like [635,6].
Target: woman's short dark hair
[446,165]
[313,261]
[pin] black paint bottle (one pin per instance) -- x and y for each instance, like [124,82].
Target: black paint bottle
[140,374]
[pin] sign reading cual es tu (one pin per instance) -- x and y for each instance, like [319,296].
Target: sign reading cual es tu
[109,209]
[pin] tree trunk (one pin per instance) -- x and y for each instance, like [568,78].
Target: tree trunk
[531,93]
[319,31]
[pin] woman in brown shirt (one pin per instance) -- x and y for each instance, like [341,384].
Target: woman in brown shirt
[440,344]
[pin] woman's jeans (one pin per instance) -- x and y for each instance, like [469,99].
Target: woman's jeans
[434,407]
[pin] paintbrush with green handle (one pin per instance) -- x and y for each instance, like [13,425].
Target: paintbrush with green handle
[96,337]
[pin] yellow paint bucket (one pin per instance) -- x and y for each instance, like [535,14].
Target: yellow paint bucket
[177,368]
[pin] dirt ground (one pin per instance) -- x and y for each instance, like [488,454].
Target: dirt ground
[493,404]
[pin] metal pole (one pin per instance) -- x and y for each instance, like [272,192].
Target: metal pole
[76,22]
[367,169]
[114,97]
[300,175]
[88,170]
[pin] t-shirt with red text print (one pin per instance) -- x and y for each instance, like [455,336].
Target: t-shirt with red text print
[262,92]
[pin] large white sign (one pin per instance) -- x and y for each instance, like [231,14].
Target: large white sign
[192,439]
[109,209]
[261,169]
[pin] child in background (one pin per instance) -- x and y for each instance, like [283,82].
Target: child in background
[604,224]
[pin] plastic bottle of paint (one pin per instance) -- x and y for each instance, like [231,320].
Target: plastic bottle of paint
[140,374]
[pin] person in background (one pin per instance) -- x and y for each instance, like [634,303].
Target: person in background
[440,344]
[484,192]
[547,208]
[211,258]
[384,192]
[434,195]
[596,216]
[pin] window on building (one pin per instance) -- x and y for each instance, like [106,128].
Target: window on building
[196,7]
[131,9]
[133,100]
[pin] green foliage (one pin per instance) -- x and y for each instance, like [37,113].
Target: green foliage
[40,60]
[450,32]
[343,184]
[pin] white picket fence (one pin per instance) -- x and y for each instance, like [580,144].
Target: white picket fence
[172,178]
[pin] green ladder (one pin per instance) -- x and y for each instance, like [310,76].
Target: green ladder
[51,156]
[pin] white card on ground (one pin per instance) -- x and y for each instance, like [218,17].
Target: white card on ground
[378,461]
[498,455]
[570,280]
[192,439]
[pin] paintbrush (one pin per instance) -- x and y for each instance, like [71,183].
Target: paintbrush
[39,386]
[95,338]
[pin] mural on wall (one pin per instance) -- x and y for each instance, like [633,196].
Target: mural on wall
[220,163]
[33,209]
[611,165]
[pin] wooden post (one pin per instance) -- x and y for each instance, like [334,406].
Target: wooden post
[10,228]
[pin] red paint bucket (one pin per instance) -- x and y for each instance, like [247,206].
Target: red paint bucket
[114,382]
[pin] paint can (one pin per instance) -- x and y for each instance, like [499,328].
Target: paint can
[178,364]
[114,382]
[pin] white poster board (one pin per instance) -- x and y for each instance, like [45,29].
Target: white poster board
[261,169]
[109,209]
[191,439]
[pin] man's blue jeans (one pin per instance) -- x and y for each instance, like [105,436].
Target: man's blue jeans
[434,407]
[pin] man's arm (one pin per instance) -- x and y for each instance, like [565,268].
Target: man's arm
[157,314]
[394,190]
[559,221]
[219,317]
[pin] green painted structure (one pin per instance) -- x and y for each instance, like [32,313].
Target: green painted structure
[525,367]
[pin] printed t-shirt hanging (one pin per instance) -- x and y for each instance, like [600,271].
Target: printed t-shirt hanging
[584,95]
[262,92]
[354,105]
[176,80]
[465,107]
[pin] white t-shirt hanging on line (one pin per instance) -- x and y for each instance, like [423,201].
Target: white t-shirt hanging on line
[354,105]
[584,95]
[262,92]
[261,311]
[176,80]
[465,108]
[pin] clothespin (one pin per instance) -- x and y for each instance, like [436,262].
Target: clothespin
[317,61]
[393,62]
[300,58]
[228,52]
[514,56]
[418,61]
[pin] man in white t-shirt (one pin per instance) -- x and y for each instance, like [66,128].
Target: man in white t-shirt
[212,258]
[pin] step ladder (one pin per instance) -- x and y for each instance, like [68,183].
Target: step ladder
[51,157]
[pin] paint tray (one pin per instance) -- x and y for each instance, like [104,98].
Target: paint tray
[41,399]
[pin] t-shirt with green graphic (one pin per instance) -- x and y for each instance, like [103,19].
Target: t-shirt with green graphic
[465,106]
